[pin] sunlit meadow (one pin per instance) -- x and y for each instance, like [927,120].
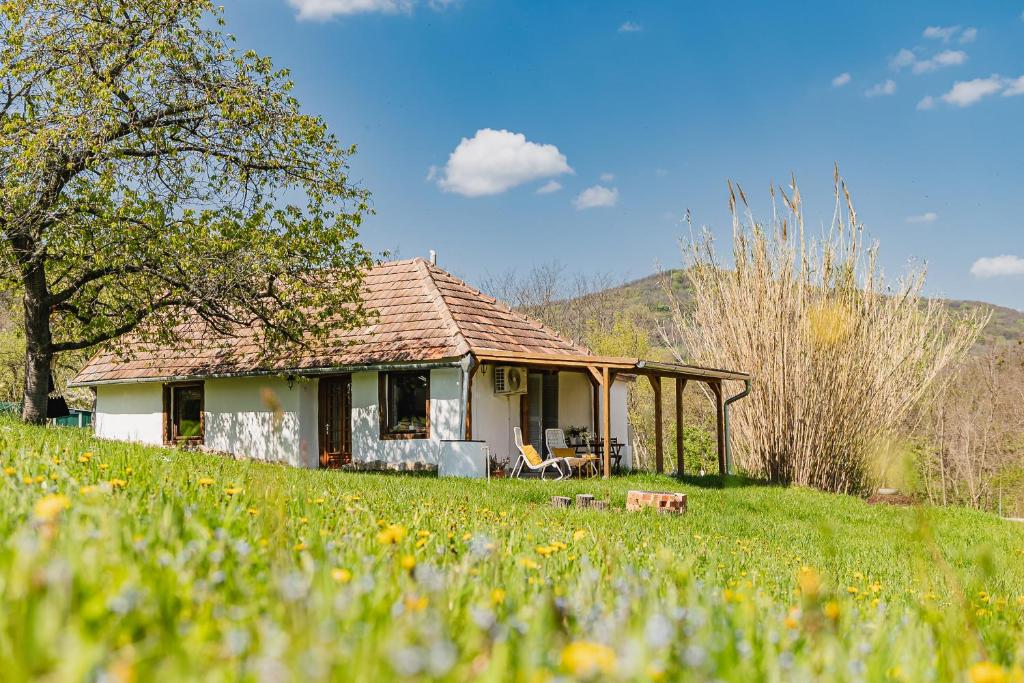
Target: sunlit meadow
[123,563]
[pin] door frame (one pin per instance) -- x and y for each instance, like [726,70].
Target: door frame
[324,459]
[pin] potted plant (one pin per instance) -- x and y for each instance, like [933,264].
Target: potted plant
[577,435]
[497,467]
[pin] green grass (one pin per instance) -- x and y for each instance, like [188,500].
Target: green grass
[191,566]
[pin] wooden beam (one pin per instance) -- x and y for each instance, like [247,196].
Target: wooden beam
[595,375]
[659,432]
[606,428]
[680,387]
[716,389]
[469,402]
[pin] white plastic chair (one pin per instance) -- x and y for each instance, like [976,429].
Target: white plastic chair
[555,438]
[560,465]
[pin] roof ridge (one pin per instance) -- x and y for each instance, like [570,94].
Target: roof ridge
[433,292]
[504,307]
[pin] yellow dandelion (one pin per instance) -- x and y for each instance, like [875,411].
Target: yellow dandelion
[529,563]
[26,480]
[128,470]
[422,533]
[9,471]
[299,546]
[416,603]
[852,590]
[497,596]
[341,575]
[103,466]
[117,483]
[987,672]
[408,562]
[585,659]
[831,610]
[391,534]
[205,481]
[579,534]
[232,490]
[86,490]
[253,512]
[48,508]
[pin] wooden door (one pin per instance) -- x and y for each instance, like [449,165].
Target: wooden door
[335,421]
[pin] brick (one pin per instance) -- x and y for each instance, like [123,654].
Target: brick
[663,502]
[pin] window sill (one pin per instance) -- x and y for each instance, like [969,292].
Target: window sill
[404,436]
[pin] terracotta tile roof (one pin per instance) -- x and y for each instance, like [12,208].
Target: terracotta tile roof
[423,314]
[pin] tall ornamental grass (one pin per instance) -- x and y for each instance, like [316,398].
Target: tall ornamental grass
[839,356]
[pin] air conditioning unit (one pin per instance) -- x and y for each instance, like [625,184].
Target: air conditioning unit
[509,380]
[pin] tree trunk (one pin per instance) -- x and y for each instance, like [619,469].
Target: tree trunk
[38,348]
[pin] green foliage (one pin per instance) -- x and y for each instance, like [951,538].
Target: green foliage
[150,171]
[173,565]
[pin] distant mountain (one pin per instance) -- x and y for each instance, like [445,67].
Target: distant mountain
[647,294]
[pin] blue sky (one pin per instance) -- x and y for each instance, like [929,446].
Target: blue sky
[630,113]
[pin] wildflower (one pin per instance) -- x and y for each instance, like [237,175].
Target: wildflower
[253,512]
[26,480]
[422,533]
[408,562]
[579,534]
[528,563]
[103,466]
[416,603]
[205,481]
[341,575]
[791,618]
[303,520]
[128,470]
[48,508]
[232,490]
[86,490]
[391,534]
[497,596]
[299,546]
[831,610]
[466,536]
[810,584]
[852,590]
[9,471]
[987,672]
[585,659]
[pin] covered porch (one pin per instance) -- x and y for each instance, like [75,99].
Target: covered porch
[602,371]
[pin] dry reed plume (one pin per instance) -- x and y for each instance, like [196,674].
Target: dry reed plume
[839,358]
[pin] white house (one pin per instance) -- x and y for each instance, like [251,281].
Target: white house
[440,363]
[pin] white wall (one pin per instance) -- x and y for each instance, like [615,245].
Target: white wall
[261,418]
[445,420]
[495,416]
[130,412]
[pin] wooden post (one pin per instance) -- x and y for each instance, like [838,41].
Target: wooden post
[716,388]
[680,386]
[606,427]
[659,435]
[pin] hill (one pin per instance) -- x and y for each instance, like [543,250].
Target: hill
[647,294]
[124,562]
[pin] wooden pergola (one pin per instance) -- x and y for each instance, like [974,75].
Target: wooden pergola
[602,371]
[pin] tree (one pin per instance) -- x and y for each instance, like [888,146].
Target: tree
[149,172]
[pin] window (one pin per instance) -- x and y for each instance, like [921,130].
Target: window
[183,413]
[405,405]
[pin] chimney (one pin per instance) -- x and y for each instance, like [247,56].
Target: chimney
[433,257]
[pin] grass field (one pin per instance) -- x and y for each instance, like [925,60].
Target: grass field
[124,563]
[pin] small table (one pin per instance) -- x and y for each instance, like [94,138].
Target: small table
[597,448]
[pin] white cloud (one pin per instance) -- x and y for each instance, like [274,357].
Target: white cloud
[595,197]
[927,102]
[325,9]
[927,217]
[493,161]
[966,93]
[630,27]
[1014,86]
[944,58]
[549,187]
[887,87]
[997,266]
[969,35]
[902,59]
[841,80]
[943,33]
[607,177]
[321,10]
[905,58]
